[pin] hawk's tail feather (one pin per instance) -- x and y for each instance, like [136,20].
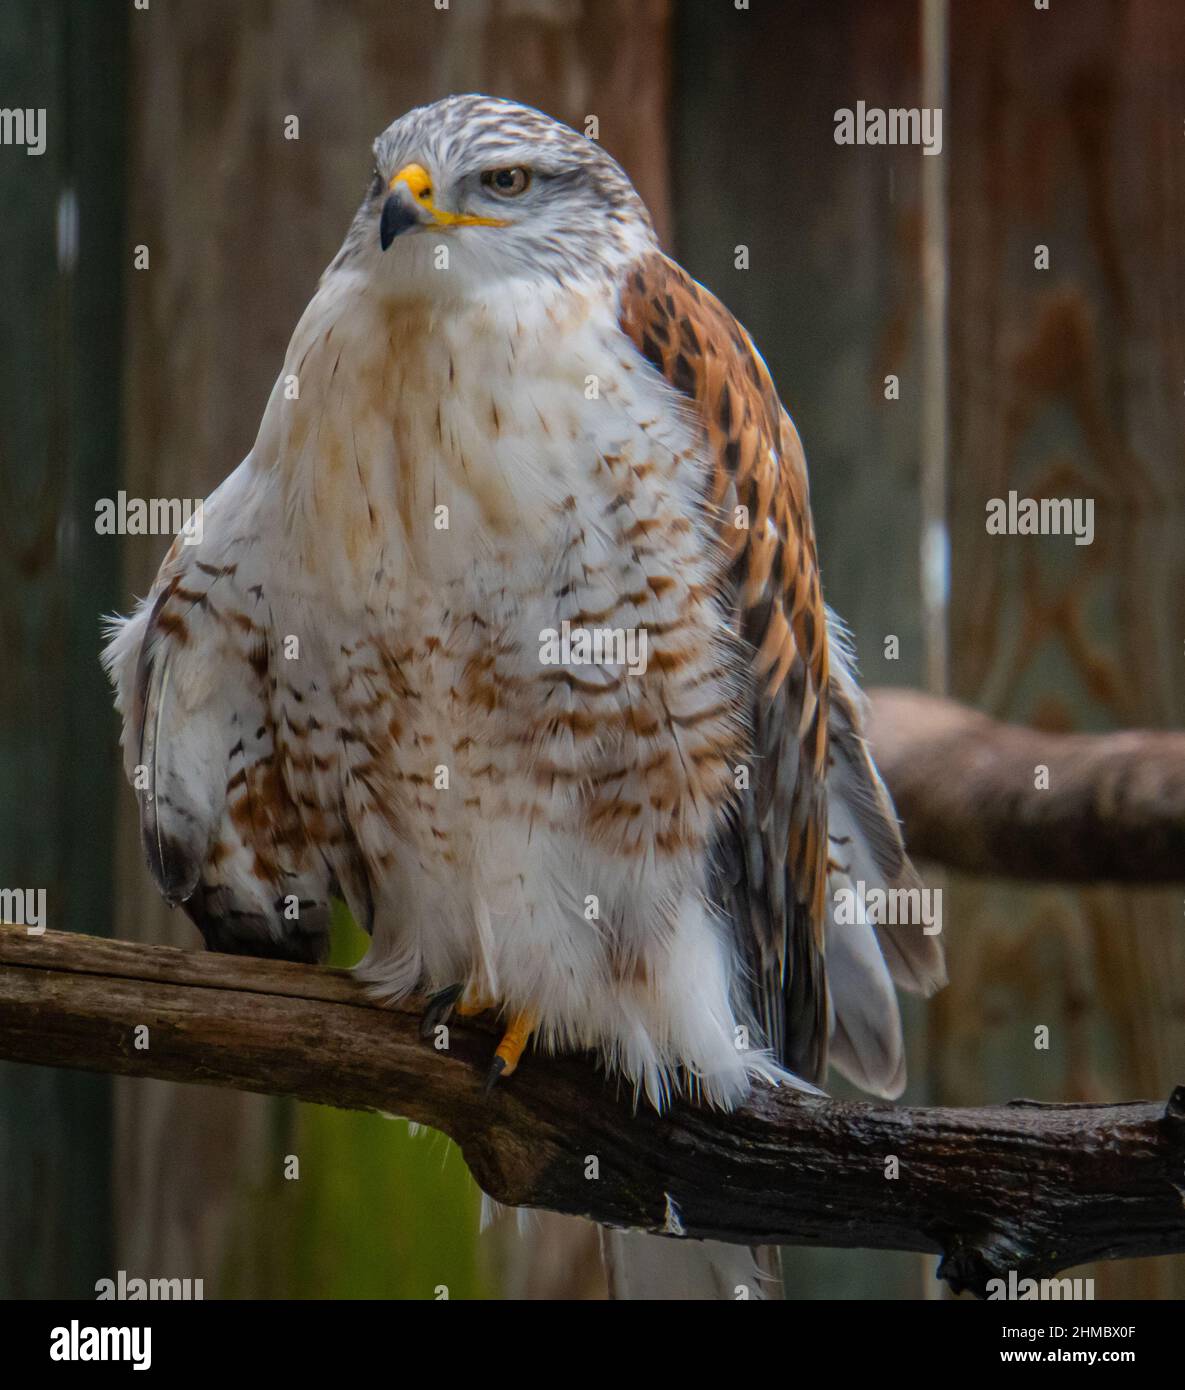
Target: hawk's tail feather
[869,949]
[866,1041]
[659,1267]
[868,848]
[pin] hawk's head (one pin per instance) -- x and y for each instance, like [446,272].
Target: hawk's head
[477,188]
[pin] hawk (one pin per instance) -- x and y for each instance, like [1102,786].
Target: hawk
[507,416]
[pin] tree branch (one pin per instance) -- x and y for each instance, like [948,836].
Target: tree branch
[964,786]
[1024,1187]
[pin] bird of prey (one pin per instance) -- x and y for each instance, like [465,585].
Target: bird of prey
[509,631]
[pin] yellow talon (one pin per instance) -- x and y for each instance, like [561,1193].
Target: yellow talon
[470,1008]
[511,1048]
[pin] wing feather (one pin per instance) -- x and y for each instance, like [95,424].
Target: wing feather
[772,865]
[221,833]
[813,787]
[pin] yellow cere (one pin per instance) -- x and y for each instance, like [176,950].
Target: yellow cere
[419,185]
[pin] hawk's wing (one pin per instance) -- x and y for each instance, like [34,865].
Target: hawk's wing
[193,669]
[774,863]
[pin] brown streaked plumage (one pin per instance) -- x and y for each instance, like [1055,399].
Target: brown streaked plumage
[774,856]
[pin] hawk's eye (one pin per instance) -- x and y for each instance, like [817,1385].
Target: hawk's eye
[507,183]
[377,185]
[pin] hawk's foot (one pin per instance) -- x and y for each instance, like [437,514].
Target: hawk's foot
[440,1009]
[510,1049]
[477,1004]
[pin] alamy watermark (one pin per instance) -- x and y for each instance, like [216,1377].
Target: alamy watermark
[82,1343]
[122,515]
[136,1290]
[1066,1290]
[1047,516]
[873,125]
[23,907]
[891,906]
[23,126]
[594,646]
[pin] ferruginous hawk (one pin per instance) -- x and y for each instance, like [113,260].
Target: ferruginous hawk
[509,630]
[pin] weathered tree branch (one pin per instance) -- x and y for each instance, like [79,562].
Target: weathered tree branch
[1025,1187]
[965,789]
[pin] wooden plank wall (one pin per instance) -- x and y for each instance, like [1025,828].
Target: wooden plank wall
[1065,130]
[59,343]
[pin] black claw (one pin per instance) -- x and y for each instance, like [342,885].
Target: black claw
[497,1067]
[440,1008]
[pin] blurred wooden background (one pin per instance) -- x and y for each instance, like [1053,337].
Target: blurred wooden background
[166,129]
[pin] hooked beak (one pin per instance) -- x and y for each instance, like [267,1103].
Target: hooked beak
[409,205]
[400,214]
